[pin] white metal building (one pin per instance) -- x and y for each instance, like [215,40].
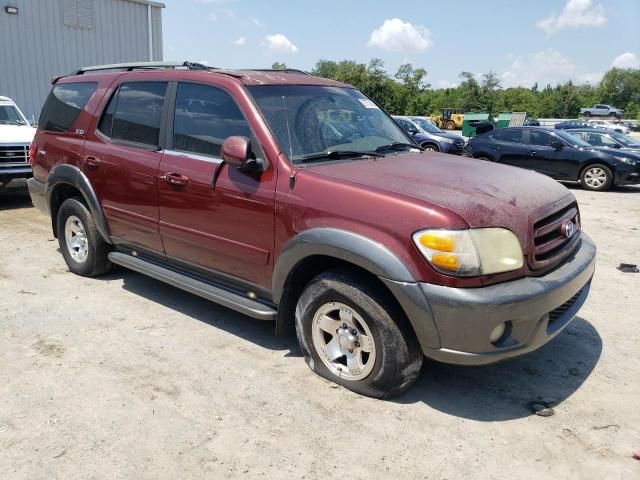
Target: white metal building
[40,39]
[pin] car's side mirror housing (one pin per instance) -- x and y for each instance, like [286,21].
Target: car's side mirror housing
[557,145]
[236,152]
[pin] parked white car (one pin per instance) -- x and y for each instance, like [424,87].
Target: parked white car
[607,125]
[16,134]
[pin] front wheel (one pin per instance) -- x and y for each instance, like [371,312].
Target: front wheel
[587,114]
[596,177]
[431,147]
[81,244]
[352,334]
[451,125]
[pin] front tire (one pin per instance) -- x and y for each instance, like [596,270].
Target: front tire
[451,125]
[596,178]
[352,334]
[431,147]
[587,114]
[83,248]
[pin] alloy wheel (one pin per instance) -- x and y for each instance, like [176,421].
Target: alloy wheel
[595,177]
[76,239]
[343,341]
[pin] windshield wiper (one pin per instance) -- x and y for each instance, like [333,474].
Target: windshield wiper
[397,146]
[337,154]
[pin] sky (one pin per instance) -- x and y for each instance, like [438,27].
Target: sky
[523,41]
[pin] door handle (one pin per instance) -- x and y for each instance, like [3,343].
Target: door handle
[176,179]
[495,147]
[92,162]
[532,153]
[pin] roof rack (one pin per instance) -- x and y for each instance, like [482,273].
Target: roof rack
[281,70]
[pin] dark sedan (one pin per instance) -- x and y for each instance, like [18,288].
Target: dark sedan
[558,154]
[605,138]
[572,124]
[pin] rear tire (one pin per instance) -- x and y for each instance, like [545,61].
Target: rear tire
[81,244]
[351,333]
[596,177]
[451,125]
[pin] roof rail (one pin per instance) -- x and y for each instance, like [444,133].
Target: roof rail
[128,66]
[282,70]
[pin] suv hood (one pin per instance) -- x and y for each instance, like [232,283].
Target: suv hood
[484,194]
[15,134]
[452,136]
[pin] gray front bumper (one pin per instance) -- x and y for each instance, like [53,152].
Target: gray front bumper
[465,317]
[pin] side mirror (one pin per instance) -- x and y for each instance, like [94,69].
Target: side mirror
[236,152]
[557,145]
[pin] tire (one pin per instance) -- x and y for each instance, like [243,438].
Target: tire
[596,177]
[587,114]
[482,157]
[389,360]
[451,125]
[432,147]
[87,254]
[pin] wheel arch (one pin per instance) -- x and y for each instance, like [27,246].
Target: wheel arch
[66,181]
[321,249]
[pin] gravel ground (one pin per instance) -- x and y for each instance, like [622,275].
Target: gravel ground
[124,377]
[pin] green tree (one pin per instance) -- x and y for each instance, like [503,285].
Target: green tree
[279,66]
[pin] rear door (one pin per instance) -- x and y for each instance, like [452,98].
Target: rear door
[507,147]
[122,157]
[212,215]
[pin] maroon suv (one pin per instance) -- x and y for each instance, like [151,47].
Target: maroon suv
[296,199]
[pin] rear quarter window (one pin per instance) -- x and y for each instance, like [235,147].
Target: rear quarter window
[63,105]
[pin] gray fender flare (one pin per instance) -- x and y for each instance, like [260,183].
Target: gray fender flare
[72,175]
[369,255]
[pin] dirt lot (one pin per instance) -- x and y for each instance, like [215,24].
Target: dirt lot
[124,377]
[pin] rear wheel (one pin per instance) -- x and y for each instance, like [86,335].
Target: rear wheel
[596,177]
[451,125]
[351,334]
[82,246]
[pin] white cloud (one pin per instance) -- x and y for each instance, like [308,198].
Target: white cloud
[256,22]
[546,67]
[395,35]
[240,41]
[626,60]
[576,13]
[446,84]
[278,43]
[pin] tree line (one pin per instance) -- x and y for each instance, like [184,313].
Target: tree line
[408,91]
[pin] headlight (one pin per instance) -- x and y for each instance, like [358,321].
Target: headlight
[478,251]
[446,140]
[627,160]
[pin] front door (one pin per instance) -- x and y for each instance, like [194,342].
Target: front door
[212,215]
[122,158]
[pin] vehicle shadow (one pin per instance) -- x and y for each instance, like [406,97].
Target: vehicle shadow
[614,189]
[498,392]
[14,197]
[258,332]
[506,390]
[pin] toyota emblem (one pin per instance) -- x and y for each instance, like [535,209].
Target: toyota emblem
[568,228]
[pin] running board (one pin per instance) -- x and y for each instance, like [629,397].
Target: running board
[205,290]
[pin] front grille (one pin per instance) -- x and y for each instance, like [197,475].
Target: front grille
[557,313]
[14,155]
[459,144]
[550,242]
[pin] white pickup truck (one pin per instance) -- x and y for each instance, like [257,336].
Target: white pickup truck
[601,110]
[16,134]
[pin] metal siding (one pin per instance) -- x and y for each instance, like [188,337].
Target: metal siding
[36,45]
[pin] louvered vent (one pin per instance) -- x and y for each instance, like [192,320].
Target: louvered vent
[78,13]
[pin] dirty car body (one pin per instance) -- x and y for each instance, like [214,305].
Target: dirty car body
[303,202]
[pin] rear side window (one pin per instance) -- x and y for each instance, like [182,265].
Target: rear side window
[63,105]
[513,136]
[134,114]
[204,117]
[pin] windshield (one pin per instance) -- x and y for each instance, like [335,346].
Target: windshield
[310,120]
[626,141]
[426,125]
[9,115]
[571,140]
